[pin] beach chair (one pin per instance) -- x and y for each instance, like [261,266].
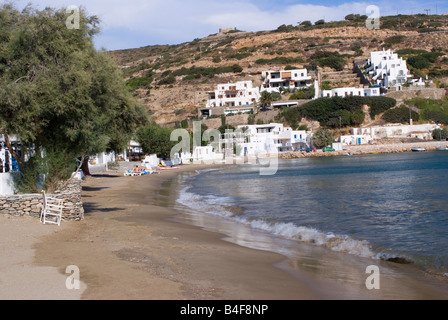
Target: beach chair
[51,210]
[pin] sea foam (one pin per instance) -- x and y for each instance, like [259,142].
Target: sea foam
[219,206]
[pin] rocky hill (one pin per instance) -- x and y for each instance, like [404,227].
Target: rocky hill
[172,80]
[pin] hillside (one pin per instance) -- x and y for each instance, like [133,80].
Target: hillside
[172,80]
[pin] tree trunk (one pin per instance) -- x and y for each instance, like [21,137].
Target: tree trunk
[85,167]
[11,150]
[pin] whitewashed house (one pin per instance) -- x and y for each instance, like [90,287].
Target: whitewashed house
[271,138]
[241,93]
[387,69]
[102,158]
[350,91]
[291,79]
[397,131]
[205,154]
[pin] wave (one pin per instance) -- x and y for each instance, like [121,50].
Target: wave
[222,206]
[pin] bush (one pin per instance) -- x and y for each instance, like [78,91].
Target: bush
[292,116]
[436,116]
[400,115]
[306,93]
[196,73]
[168,80]
[336,63]
[280,60]
[440,134]
[379,104]
[328,110]
[44,173]
[395,40]
[140,82]
[419,62]
[322,138]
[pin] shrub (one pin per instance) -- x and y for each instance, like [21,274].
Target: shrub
[440,134]
[394,39]
[327,110]
[306,93]
[292,116]
[196,73]
[436,116]
[280,60]
[336,63]
[322,138]
[419,62]
[400,115]
[168,80]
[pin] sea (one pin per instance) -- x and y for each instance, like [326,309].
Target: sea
[378,207]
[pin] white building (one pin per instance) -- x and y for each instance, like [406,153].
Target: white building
[397,131]
[271,138]
[387,69]
[206,154]
[237,94]
[291,79]
[350,91]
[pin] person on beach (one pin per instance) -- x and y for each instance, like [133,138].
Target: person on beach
[137,169]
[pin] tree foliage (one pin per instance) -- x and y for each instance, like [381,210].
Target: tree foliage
[400,115]
[341,112]
[440,134]
[155,140]
[322,138]
[58,94]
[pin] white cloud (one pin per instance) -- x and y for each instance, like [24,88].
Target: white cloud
[135,23]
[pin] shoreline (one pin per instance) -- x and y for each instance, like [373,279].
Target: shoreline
[130,248]
[132,245]
[368,149]
[350,268]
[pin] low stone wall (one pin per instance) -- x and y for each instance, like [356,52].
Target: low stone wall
[409,93]
[31,204]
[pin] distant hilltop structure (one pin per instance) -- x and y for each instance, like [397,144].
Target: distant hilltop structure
[225,30]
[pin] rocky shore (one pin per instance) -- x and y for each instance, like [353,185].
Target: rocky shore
[367,149]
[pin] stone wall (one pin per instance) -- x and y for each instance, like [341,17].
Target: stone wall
[412,92]
[31,204]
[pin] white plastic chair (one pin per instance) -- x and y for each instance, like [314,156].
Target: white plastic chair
[52,208]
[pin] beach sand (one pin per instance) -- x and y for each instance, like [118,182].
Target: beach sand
[130,246]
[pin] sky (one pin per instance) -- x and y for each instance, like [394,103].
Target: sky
[138,23]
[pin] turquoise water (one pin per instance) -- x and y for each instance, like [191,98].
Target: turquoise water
[387,206]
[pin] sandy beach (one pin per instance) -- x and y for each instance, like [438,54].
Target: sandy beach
[127,248]
[130,247]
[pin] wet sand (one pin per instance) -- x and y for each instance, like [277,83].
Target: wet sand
[131,246]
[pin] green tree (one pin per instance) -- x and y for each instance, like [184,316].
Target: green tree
[265,99]
[440,134]
[155,140]
[58,94]
[322,138]
[306,23]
